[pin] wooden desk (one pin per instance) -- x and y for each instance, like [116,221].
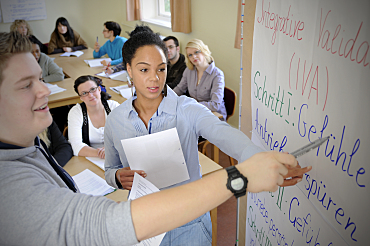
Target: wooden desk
[66,97]
[78,164]
[75,67]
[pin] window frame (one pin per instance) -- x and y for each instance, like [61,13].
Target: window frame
[151,14]
[161,9]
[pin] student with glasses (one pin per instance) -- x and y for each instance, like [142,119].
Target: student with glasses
[202,79]
[86,120]
[113,46]
[176,62]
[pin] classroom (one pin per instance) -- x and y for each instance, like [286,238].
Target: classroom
[285,96]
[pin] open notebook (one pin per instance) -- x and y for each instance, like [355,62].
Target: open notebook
[76,53]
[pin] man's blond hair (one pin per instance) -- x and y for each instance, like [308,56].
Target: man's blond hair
[10,44]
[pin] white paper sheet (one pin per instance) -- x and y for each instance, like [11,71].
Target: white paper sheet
[54,88]
[97,62]
[23,10]
[97,161]
[126,92]
[142,187]
[159,155]
[121,75]
[91,184]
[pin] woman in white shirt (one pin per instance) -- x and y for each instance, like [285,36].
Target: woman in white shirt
[86,121]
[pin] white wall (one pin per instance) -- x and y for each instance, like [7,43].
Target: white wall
[213,21]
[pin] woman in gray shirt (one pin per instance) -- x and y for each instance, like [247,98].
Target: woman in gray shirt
[202,79]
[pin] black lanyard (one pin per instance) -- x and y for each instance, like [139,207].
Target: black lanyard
[58,169]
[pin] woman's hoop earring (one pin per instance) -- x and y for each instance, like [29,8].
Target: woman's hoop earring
[131,85]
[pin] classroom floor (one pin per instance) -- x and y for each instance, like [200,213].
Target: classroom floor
[226,213]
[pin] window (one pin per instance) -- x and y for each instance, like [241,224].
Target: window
[164,8]
[156,12]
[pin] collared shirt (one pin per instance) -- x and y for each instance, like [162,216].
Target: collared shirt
[209,91]
[113,49]
[191,120]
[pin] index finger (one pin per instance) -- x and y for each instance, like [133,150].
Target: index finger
[286,159]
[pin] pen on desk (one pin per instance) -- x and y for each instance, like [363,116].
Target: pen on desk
[307,148]
[106,69]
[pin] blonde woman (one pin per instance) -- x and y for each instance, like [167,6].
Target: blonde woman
[202,79]
[24,28]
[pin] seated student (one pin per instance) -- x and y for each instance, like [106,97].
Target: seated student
[155,108]
[122,66]
[40,204]
[64,38]
[202,79]
[51,72]
[176,64]
[57,144]
[86,121]
[24,28]
[113,47]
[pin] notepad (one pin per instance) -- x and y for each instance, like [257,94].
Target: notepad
[76,53]
[54,88]
[91,184]
[97,62]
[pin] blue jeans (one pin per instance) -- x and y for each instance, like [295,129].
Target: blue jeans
[197,232]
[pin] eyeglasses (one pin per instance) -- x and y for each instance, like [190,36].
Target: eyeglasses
[105,30]
[170,47]
[85,93]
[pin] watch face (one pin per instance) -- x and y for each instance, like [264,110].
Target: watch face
[237,184]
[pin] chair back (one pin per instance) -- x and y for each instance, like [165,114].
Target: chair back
[65,132]
[230,101]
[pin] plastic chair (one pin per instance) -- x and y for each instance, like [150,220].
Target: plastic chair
[230,103]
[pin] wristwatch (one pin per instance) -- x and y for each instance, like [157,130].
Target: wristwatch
[236,182]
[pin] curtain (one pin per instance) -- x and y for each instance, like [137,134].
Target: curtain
[181,16]
[238,26]
[133,10]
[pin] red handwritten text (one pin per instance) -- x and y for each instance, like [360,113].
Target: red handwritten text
[312,76]
[284,25]
[331,42]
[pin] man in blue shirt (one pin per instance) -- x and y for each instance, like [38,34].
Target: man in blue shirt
[113,47]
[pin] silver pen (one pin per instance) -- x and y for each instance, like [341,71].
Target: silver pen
[307,148]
